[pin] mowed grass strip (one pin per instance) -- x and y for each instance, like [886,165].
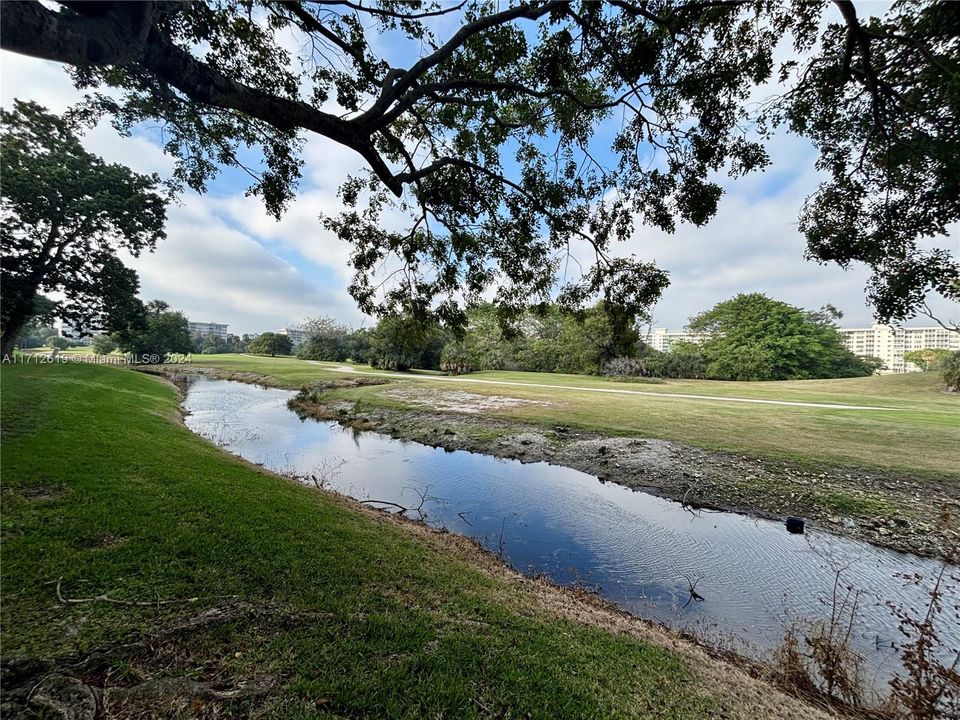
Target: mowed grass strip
[910,390]
[919,435]
[104,492]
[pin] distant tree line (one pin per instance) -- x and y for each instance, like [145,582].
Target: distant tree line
[545,341]
[750,337]
[136,327]
[216,345]
[753,337]
[151,328]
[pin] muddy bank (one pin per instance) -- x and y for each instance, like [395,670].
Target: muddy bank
[178,374]
[910,514]
[907,514]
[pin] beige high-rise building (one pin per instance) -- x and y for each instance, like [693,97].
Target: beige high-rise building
[661,338]
[880,341]
[296,335]
[890,343]
[205,329]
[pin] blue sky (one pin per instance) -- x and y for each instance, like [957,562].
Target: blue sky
[225,260]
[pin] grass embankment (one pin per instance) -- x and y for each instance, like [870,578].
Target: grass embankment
[325,609]
[917,436]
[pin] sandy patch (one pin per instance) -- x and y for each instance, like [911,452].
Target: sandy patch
[457,400]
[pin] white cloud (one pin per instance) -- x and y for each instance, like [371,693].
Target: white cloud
[135,152]
[327,165]
[27,78]
[753,245]
[216,273]
[212,269]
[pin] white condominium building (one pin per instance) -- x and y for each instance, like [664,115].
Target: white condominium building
[72,332]
[297,336]
[890,343]
[205,329]
[661,338]
[880,341]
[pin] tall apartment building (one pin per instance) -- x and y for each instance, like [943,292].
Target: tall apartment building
[296,335]
[880,341]
[205,329]
[72,333]
[890,343]
[661,338]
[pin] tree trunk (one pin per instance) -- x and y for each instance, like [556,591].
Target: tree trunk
[6,348]
[11,330]
[26,292]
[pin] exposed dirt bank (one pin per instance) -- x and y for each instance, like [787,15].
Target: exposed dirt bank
[919,515]
[906,514]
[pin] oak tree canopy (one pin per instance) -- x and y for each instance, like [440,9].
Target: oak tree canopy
[64,215]
[489,127]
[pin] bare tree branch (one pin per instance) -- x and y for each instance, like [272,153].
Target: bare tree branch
[406,80]
[373,10]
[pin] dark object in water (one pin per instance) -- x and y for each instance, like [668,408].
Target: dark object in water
[795,525]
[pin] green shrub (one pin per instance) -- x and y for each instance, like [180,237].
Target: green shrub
[103,345]
[623,367]
[455,359]
[949,368]
[926,359]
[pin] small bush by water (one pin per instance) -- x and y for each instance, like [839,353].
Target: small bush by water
[818,658]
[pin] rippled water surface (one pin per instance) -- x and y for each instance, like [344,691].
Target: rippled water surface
[638,550]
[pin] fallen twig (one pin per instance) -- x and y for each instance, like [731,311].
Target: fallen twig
[424,499]
[687,506]
[385,502]
[107,599]
[692,587]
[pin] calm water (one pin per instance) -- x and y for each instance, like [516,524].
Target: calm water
[640,551]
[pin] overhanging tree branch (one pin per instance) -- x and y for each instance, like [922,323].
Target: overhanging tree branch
[442,163]
[313,24]
[536,79]
[117,36]
[202,84]
[406,80]
[374,10]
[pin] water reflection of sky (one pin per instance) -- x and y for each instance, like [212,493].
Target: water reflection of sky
[640,551]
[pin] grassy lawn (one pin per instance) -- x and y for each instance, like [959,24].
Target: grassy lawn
[918,435]
[354,615]
[44,350]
